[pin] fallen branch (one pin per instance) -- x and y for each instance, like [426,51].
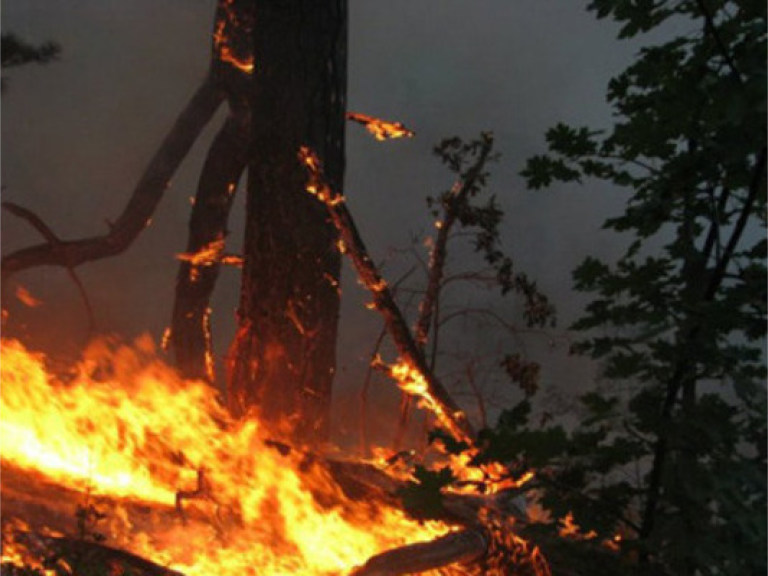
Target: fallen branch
[85,555]
[433,392]
[462,546]
[142,204]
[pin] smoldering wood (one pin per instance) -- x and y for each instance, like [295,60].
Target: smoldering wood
[145,198]
[462,546]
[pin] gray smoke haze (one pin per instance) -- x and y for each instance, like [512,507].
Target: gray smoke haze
[77,134]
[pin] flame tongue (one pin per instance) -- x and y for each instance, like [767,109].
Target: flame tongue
[125,427]
[381,129]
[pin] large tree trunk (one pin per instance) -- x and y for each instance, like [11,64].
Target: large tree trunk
[283,359]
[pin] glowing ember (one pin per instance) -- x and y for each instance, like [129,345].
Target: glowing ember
[210,254]
[381,129]
[221,41]
[126,427]
[26,298]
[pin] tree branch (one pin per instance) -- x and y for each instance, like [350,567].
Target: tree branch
[434,393]
[142,204]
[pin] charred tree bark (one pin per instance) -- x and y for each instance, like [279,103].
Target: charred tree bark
[283,359]
[232,63]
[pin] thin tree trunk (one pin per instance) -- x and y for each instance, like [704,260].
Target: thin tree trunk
[283,358]
[190,335]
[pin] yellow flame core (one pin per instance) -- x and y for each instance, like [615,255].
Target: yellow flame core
[137,432]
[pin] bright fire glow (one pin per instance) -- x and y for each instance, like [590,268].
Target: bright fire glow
[124,427]
[221,42]
[208,255]
[381,129]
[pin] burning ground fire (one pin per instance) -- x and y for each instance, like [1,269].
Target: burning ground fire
[124,432]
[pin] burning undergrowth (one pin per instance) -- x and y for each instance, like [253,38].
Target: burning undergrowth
[174,478]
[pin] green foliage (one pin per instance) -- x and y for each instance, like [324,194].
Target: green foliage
[422,499]
[674,456]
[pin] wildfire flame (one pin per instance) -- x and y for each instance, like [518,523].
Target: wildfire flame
[381,129]
[125,427]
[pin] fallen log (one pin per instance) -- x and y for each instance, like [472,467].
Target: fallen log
[85,556]
[462,546]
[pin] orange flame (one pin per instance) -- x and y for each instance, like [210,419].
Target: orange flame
[208,255]
[381,129]
[135,432]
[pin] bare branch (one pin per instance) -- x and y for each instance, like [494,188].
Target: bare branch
[142,204]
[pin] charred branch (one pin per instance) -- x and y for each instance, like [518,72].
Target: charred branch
[142,204]
[451,415]
[462,546]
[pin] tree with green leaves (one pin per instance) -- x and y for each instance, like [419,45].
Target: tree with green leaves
[671,450]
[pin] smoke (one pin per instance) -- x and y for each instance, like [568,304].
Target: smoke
[77,134]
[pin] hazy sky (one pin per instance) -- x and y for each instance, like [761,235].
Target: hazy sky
[77,134]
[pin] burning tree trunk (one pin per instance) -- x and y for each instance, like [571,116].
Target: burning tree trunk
[283,359]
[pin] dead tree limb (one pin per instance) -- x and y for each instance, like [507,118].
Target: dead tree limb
[462,546]
[452,203]
[221,172]
[45,231]
[142,204]
[434,393]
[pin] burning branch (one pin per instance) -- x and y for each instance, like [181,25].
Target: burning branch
[381,129]
[141,206]
[418,379]
[457,197]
